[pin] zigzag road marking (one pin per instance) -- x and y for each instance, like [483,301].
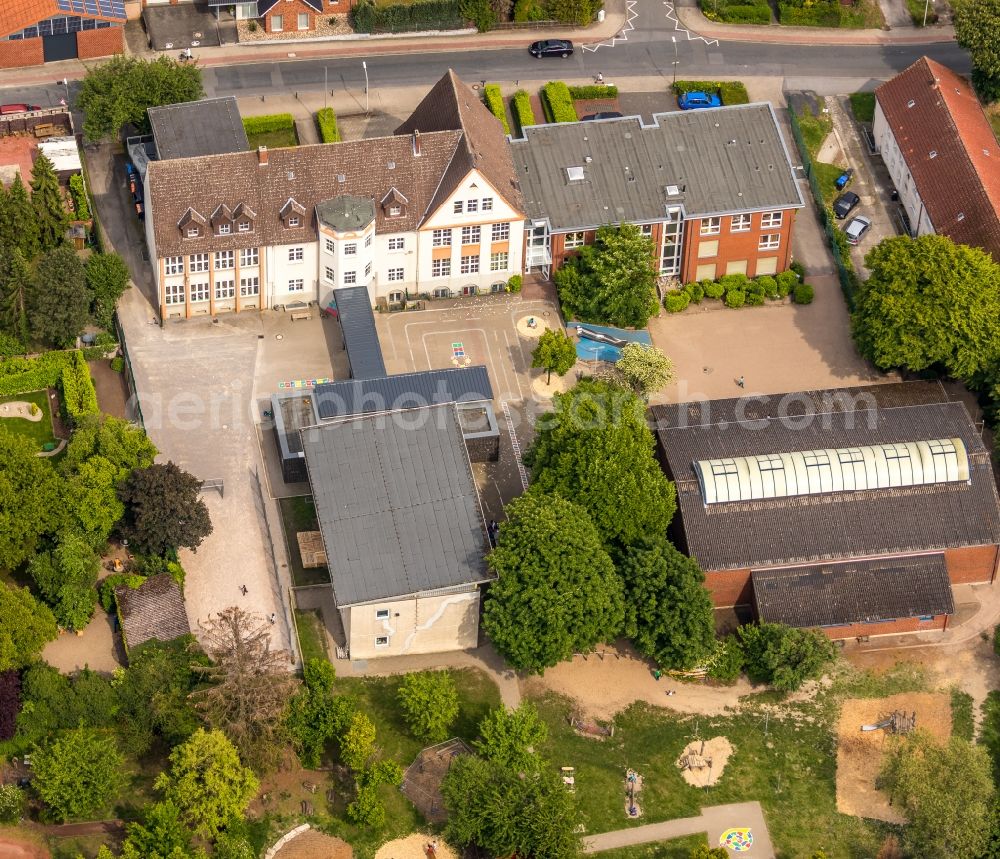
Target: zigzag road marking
[622,36]
[671,16]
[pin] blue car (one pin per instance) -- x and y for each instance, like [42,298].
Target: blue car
[696,100]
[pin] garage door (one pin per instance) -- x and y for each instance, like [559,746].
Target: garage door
[61,47]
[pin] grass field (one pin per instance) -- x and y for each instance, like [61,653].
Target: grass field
[814,130]
[676,848]
[274,139]
[299,514]
[863,106]
[312,638]
[37,432]
[827,175]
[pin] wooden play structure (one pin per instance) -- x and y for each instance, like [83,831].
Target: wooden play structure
[311,549]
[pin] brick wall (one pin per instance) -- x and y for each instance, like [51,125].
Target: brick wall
[289,10]
[733,247]
[23,52]
[99,43]
[729,587]
[890,627]
[971,564]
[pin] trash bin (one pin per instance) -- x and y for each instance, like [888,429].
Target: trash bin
[600,16]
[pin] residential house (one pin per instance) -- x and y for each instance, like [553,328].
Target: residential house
[941,153]
[33,32]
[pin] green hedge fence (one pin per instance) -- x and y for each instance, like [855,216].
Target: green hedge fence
[79,396]
[494,101]
[265,124]
[326,125]
[367,17]
[558,103]
[594,91]
[730,92]
[524,113]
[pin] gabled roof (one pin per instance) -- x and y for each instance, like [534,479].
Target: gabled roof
[155,609]
[15,15]
[950,150]
[265,6]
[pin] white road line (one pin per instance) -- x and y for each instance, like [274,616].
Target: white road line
[671,16]
[622,36]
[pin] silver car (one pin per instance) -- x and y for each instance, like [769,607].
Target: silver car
[856,229]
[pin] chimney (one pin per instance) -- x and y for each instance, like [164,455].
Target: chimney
[416,142]
[262,156]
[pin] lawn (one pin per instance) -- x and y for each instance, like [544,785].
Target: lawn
[37,432]
[814,130]
[273,139]
[312,638]
[827,175]
[675,848]
[299,514]
[863,106]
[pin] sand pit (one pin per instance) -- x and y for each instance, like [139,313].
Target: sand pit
[414,847]
[860,755]
[703,761]
[15,848]
[531,326]
[20,409]
[315,845]
[558,385]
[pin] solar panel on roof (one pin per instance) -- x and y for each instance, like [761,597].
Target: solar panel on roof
[102,8]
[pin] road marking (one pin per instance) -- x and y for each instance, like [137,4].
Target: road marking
[622,36]
[671,16]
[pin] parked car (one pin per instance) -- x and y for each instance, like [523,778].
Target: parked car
[551,48]
[843,205]
[857,229]
[695,100]
[604,114]
[17,108]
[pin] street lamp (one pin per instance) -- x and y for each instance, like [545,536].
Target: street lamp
[364,65]
[926,5]
[674,40]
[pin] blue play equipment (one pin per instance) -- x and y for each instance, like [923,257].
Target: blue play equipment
[603,343]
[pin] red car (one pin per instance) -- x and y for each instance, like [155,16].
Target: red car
[17,108]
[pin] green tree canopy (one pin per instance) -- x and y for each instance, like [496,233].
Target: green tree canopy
[107,278]
[66,578]
[161,834]
[16,285]
[59,304]
[117,441]
[929,303]
[946,790]
[207,782]
[555,353]
[163,509]
[11,803]
[30,500]
[612,281]
[977,29]
[78,773]
[668,611]
[429,703]
[47,200]
[315,716]
[557,592]
[19,229]
[122,90]
[596,450]
[645,369]
[357,746]
[784,656]
[512,739]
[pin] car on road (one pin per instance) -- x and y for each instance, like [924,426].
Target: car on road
[844,204]
[856,229]
[604,114]
[695,100]
[17,108]
[551,48]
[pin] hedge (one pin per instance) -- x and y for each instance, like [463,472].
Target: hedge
[79,396]
[558,103]
[730,92]
[523,112]
[366,17]
[737,13]
[528,10]
[494,101]
[675,302]
[824,14]
[18,374]
[79,194]
[735,298]
[264,124]
[802,293]
[736,290]
[326,125]
[594,91]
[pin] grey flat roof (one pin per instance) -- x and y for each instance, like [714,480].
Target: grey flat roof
[357,321]
[727,159]
[397,505]
[405,391]
[346,212]
[212,126]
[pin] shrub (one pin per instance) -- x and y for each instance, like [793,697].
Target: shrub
[754,288]
[79,396]
[580,12]
[265,124]
[786,282]
[713,289]
[10,345]
[735,298]
[754,299]
[594,91]
[726,663]
[118,364]
[10,702]
[528,10]
[252,26]
[768,285]
[19,374]
[79,194]
[740,12]
[514,283]
[11,803]
[494,101]
[784,656]
[429,703]
[367,17]
[524,113]
[326,125]
[802,294]
[734,92]
[676,301]
[734,281]
[558,103]
[480,12]
[106,589]
[798,268]
[917,9]
[695,291]
[696,86]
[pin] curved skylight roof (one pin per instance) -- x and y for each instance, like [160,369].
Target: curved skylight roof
[811,472]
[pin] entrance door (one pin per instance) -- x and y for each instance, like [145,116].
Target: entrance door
[60,47]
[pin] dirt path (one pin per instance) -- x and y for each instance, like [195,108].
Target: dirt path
[13,846]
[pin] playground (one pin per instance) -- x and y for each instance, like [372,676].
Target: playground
[29,415]
[422,780]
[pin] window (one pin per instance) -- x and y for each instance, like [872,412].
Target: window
[193,232]
[199,291]
[381,614]
[709,249]
[396,297]
[303,20]
[395,273]
[740,223]
[711,226]
[499,286]
[249,286]
[767,265]
[395,211]
[499,262]
[225,259]
[330,247]
[173,293]
[440,268]
[173,265]
[350,249]
[381,640]
[500,233]
[368,269]
[329,275]
[350,277]
[225,229]
[705,272]
[487,204]
[736,266]
[770,220]
[397,244]
[441,238]
[470,235]
[295,254]
[442,292]
[225,288]
[470,264]
[368,241]
[243,226]
[472,206]
[457,208]
[646,230]
[249,256]
[277,24]
[198,262]
[573,240]
[296,284]
[294,221]
[769,241]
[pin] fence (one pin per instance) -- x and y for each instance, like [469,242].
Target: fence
[841,256]
[136,407]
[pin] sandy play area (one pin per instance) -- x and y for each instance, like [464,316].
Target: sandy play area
[414,847]
[860,754]
[315,845]
[703,761]
[15,848]
[20,409]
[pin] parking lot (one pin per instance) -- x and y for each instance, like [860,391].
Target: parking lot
[188,25]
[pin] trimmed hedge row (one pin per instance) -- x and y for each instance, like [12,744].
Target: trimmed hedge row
[326,125]
[594,91]
[18,375]
[366,17]
[81,205]
[79,396]
[494,101]
[265,124]
[740,12]
[524,113]
[824,14]
[730,92]
[558,103]
[738,290]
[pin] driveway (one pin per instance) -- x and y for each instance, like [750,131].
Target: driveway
[188,25]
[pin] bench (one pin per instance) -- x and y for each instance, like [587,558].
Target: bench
[298,315]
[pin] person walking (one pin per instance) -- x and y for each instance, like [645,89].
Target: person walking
[273,618]
[243,590]
[741,382]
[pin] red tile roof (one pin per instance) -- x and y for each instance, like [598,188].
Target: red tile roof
[15,15]
[931,109]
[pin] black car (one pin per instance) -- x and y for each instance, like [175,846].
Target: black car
[551,48]
[604,114]
[845,203]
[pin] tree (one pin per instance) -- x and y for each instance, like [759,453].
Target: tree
[10,702]
[360,754]
[119,92]
[644,368]
[919,309]
[611,281]
[555,353]
[315,716]
[669,613]
[78,773]
[250,686]
[58,304]
[161,833]
[977,29]
[596,450]
[357,746]
[107,279]
[429,701]
[511,739]
[207,782]
[20,227]
[30,503]
[15,286]
[126,447]
[47,200]
[11,803]
[25,627]
[784,656]
[557,592]
[66,578]
[946,792]
[163,510]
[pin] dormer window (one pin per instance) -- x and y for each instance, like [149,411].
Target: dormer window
[292,213]
[243,226]
[222,220]
[224,229]
[193,232]
[394,204]
[294,221]
[395,211]
[244,217]
[191,224]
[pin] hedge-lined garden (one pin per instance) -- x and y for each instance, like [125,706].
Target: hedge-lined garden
[558,103]
[579,12]
[737,12]
[369,16]
[730,92]
[524,113]
[79,396]
[275,130]
[326,125]
[494,101]
[591,91]
[738,290]
[829,13]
